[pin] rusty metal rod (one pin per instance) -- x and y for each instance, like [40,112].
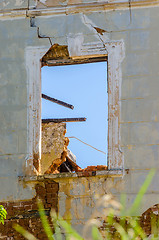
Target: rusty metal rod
[57,101]
[58,120]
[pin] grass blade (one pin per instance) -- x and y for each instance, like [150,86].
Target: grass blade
[121,231]
[24,232]
[45,221]
[54,219]
[96,235]
[137,228]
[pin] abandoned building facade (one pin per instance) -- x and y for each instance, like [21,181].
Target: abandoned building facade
[37,33]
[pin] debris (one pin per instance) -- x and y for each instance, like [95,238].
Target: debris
[56,157]
[94,168]
[71,155]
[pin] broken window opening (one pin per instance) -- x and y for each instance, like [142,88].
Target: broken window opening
[114,52]
[84,87]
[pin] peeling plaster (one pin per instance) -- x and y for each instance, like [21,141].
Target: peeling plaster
[75,44]
[94,28]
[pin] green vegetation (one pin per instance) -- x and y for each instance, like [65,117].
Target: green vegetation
[3,214]
[111,220]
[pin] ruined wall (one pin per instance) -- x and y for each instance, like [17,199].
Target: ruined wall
[26,212]
[53,144]
[77,26]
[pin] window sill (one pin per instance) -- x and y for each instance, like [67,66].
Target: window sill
[108,173]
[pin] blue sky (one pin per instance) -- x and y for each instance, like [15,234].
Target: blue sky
[85,87]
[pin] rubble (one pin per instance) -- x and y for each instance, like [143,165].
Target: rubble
[54,145]
[94,168]
[56,157]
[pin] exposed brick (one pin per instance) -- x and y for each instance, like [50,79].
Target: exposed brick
[26,214]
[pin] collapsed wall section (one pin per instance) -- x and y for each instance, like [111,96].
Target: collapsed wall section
[56,157]
[54,145]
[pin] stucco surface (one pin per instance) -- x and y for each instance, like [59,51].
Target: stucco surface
[139,100]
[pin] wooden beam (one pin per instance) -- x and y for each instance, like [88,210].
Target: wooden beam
[58,120]
[64,104]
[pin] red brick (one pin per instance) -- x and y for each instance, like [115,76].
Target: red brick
[49,196]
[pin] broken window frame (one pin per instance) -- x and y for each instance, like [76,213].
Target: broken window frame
[114,52]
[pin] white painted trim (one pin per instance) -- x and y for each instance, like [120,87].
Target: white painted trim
[116,54]
[33,64]
[115,51]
